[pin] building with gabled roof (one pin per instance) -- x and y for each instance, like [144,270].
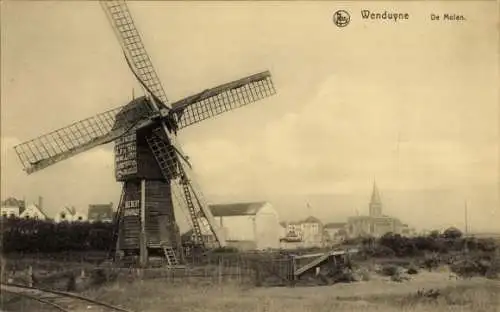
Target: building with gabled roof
[34,211]
[246,226]
[69,214]
[12,207]
[9,211]
[14,202]
[308,232]
[311,229]
[311,220]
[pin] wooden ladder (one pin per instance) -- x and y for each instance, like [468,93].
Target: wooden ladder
[170,255]
[168,162]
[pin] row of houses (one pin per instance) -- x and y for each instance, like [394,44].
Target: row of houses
[15,208]
[252,225]
[312,232]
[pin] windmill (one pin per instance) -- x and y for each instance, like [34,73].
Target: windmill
[149,161]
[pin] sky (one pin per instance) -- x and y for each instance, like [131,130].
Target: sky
[411,104]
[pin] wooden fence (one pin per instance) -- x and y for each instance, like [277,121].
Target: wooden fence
[256,268]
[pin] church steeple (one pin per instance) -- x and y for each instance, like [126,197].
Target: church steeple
[375,202]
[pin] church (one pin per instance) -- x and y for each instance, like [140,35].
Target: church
[375,224]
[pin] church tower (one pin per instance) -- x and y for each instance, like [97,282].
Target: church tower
[375,203]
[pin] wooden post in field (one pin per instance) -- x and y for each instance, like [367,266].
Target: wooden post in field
[220,270]
[294,267]
[258,281]
[238,270]
[30,276]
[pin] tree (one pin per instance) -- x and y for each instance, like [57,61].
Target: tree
[452,233]
[434,234]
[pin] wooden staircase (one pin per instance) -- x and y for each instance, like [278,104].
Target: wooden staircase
[170,255]
[319,259]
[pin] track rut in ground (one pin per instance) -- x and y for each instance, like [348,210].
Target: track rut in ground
[61,301]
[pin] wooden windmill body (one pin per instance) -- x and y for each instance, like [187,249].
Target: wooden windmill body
[150,163]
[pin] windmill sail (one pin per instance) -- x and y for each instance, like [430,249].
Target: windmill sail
[223,98]
[127,34]
[76,138]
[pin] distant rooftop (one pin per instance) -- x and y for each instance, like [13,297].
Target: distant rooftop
[236,209]
[335,225]
[311,219]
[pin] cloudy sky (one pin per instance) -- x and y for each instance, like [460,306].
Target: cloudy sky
[412,104]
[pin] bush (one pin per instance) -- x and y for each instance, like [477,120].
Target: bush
[486,244]
[402,246]
[477,265]
[390,270]
[452,233]
[431,262]
[32,236]
[412,269]
[363,274]
[379,251]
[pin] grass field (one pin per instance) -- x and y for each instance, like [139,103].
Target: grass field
[376,292]
[379,294]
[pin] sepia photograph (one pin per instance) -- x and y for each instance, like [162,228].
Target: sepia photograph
[261,156]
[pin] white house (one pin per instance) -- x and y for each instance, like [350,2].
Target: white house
[9,211]
[312,231]
[69,214]
[248,226]
[305,233]
[32,211]
[11,207]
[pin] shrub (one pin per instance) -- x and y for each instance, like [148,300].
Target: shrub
[363,274]
[452,233]
[473,267]
[431,262]
[32,236]
[390,270]
[412,269]
[486,244]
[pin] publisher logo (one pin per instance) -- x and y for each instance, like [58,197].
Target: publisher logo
[341,18]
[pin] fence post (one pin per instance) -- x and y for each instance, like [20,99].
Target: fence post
[221,262]
[238,270]
[292,273]
[30,276]
[258,281]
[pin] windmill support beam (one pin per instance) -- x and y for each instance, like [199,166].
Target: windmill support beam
[143,239]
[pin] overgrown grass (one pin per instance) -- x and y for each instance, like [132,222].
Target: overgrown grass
[153,296]
[478,297]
